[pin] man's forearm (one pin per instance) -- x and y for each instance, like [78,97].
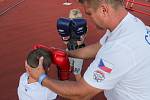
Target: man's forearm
[86,52]
[67,89]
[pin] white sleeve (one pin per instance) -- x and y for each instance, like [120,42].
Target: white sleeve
[18,91]
[78,63]
[108,68]
[20,88]
[51,95]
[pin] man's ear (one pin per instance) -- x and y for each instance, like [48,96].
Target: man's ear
[103,9]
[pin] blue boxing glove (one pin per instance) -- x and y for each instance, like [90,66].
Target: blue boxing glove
[78,27]
[63,28]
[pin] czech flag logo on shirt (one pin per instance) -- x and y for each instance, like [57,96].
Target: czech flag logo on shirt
[103,67]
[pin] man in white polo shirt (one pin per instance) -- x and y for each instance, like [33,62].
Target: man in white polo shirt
[121,67]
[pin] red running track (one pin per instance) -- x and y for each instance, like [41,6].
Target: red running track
[29,23]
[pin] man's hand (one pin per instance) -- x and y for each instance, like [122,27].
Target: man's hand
[35,72]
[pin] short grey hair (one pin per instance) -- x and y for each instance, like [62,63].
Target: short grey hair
[95,3]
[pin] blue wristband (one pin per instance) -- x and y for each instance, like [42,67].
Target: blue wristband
[41,78]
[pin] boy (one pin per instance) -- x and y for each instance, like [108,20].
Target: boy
[73,32]
[30,89]
[76,62]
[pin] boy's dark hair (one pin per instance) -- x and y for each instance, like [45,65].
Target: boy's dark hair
[33,58]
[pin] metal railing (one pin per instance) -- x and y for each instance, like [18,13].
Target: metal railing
[129,6]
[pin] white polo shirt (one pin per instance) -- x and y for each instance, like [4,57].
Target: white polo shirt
[33,91]
[122,65]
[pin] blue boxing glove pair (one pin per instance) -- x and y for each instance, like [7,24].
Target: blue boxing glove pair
[72,32]
[71,28]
